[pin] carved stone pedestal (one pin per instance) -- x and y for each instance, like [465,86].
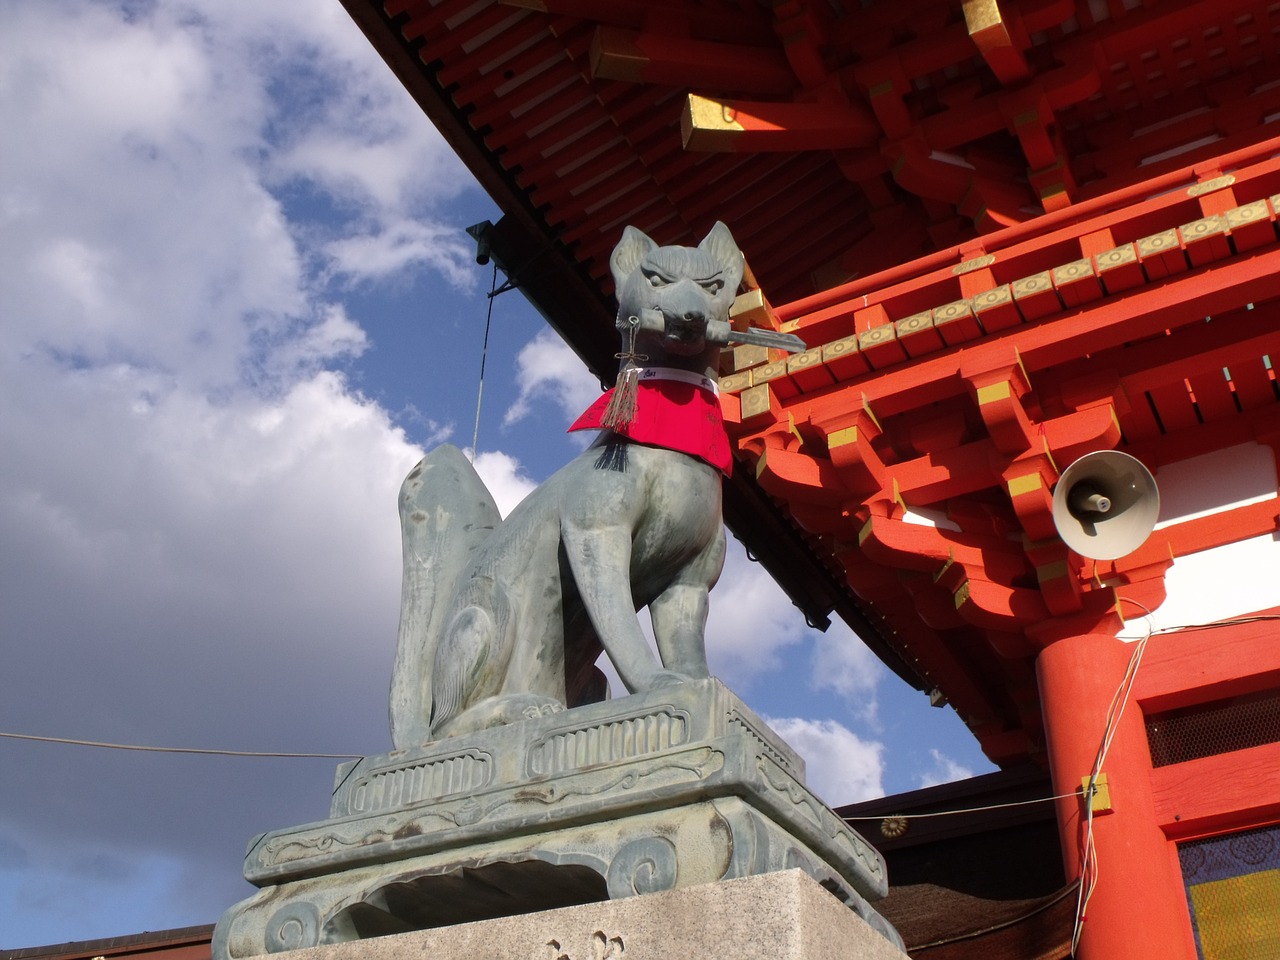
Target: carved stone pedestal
[778,916]
[648,793]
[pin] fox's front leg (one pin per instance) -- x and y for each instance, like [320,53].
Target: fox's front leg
[679,613]
[600,558]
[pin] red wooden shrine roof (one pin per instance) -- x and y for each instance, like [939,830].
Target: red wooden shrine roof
[871,150]
[833,144]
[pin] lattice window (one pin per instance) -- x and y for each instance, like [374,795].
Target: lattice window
[1208,729]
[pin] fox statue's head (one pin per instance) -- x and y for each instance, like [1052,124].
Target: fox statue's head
[670,295]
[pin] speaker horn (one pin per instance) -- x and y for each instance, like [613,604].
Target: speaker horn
[1105,505]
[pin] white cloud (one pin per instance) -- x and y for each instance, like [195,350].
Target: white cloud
[333,336]
[134,229]
[548,369]
[754,632]
[752,625]
[399,246]
[147,489]
[842,663]
[840,766]
[197,506]
[944,770]
[502,475]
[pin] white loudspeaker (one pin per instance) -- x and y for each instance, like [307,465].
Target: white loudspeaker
[1105,505]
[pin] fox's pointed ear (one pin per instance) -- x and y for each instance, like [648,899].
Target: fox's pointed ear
[631,249]
[721,245]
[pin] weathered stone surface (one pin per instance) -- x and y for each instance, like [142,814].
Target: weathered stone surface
[780,916]
[514,786]
[670,789]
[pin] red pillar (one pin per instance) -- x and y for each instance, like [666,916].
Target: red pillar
[1138,910]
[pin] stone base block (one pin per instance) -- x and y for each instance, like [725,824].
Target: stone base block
[664,791]
[776,916]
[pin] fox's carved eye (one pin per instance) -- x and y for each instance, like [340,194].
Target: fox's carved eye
[712,286]
[655,279]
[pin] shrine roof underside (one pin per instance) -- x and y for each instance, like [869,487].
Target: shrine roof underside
[1001,227]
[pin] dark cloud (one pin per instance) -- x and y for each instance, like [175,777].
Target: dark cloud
[198,512]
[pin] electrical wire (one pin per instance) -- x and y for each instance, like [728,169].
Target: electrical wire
[1003,925]
[1215,624]
[1089,866]
[952,813]
[357,756]
[197,750]
[484,354]
[1114,713]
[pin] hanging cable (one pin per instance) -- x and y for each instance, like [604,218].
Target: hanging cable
[952,813]
[1089,868]
[484,353]
[199,750]
[1003,925]
[1216,624]
[1113,718]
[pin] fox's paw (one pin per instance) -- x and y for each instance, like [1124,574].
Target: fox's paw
[498,711]
[666,678]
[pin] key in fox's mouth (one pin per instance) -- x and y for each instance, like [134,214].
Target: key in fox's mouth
[681,337]
[686,328]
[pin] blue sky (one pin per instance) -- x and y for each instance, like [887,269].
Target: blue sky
[237,302]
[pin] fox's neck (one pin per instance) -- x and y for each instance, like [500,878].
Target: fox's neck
[649,353]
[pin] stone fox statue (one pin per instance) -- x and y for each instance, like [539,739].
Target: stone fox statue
[504,619]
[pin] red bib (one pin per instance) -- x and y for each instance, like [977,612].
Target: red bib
[675,409]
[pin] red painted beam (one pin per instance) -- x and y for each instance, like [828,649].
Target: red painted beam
[618,54]
[1141,201]
[744,26]
[1215,794]
[728,125]
[1196,666]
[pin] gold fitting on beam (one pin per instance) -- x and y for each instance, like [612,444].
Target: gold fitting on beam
[751,309]
[795,431]
[840,438]
[994,391]
[980,15]
[614,55]
[761,464]
[942,571]
[707,124]
[977,263]
[866,405]
[1209,186]
[1025,484]
[1052,571]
